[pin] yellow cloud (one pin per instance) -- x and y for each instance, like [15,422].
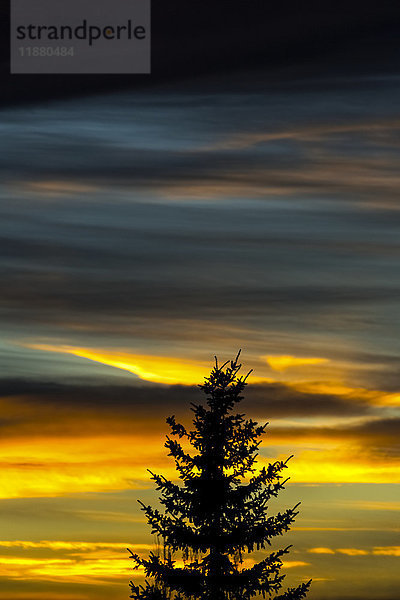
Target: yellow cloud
[90,562]
[390,400]
[352,551]
[339,465]
[283,362]
[185,371]
[290,564]
[42,595]
[158,369]
[374,505]
[50,466]
[377,550]
[65,569]
[387,550]
[63,545]
[337,388]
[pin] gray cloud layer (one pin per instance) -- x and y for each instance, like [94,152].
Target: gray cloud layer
[146,220]
[55,406]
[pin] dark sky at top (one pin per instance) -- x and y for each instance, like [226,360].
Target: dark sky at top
[201,37]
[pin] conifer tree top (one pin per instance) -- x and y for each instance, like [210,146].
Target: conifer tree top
[219,510]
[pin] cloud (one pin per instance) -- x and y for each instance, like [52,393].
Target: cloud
[42,595]
[148,269]
[309,132]
[290,564]
[281,363]
[79,408]
[379,505]
[67,545]
[90,570]
[352,551]
[387,550]
[79,562]
[55,188]
[157,369]
[315,159]
[377,551]
[370,433]
[59,439]
[283,237]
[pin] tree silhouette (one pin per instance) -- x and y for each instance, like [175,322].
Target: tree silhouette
[219,513]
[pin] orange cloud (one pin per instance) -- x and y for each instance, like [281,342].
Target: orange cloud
[314,132]
[59,188]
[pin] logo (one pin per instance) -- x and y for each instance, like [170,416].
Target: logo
[109,36]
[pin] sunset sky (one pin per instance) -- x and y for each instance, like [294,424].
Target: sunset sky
[144,232]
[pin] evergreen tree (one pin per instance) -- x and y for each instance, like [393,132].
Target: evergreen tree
[219,511]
